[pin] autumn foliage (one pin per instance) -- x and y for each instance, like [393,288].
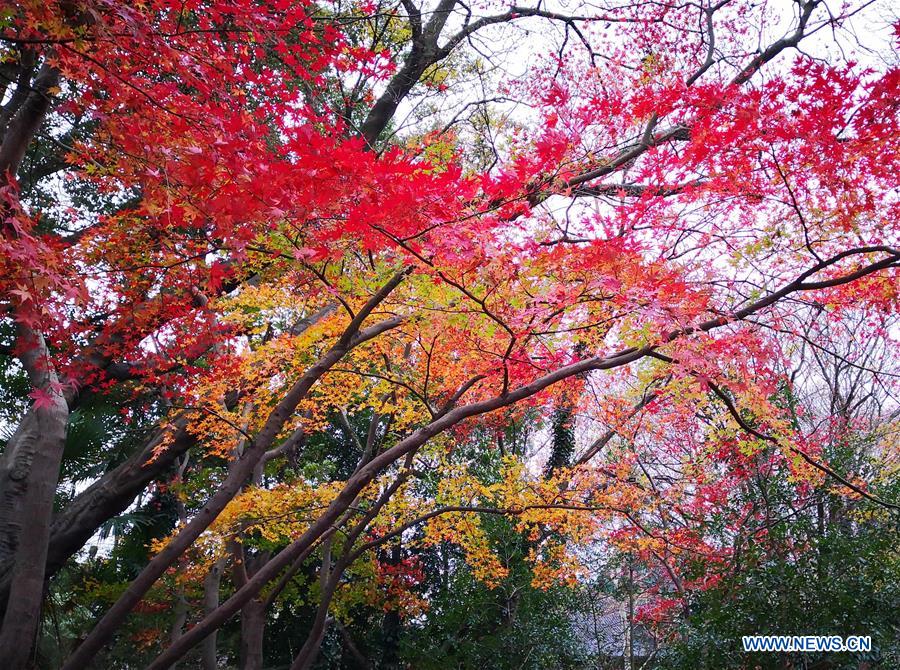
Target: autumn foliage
[319,257]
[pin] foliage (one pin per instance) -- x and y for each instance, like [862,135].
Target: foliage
[843,581]
[334,324]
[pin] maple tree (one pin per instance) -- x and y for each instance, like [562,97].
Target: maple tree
[220,238]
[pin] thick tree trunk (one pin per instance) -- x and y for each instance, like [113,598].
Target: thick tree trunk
[179,618]
[29,466]
[208,651]
[253,614]
[29,471]
[424,53]
[17,135]
[71,528]
[253,627]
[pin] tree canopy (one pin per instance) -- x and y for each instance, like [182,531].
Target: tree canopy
[387,334]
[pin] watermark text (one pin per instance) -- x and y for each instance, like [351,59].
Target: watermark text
[813,643]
